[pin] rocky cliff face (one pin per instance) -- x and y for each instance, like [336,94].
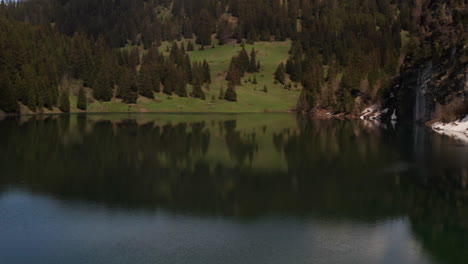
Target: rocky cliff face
[435,70]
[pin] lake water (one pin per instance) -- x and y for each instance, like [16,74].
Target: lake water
[251,188]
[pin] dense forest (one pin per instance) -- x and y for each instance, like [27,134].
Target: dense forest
[345,54]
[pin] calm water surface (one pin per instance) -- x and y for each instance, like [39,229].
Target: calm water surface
[266,188]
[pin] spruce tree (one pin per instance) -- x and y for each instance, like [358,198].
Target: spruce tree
[7,99]
[234,74]
[128,90]
[155,77]
[64,101]
[280,74]
[181,84]
[102,88]
[253,62]
[231,94]
[198,92]
[134,59]
[145,82]
[81,102]
[206,72]
[243,61]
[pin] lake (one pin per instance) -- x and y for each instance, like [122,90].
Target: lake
[229,188]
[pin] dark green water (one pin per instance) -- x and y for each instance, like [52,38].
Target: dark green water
[266,188]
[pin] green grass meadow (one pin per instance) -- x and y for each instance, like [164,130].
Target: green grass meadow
[251,98]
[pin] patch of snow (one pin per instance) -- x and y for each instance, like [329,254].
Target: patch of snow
[394,117]
[457,129]
[372,113]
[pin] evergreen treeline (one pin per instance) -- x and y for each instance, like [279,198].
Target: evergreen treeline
[341,49]
[35,61]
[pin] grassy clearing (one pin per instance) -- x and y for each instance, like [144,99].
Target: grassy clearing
[251,98]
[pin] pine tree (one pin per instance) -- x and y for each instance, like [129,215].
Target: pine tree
[169,80]
[289,66]
[233,74]
[103,89]
[204,28]
[129,88]
[7,99]
[280,74]
[187,69]
[81,102]
[206,72]
[181,84]
[231,94]
[198,92]
[243,61]
[134,59]
[145,82]
[253,62]
[64,101]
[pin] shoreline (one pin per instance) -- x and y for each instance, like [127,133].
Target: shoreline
[457,129]
[3,114]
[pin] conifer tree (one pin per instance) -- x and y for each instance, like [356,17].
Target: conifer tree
[7,99]
[233,74]
[181,84]
[145,82]
[81,102]
[289,66]
[243,61]
[230,94]
[134,59]
[198,92]
[102,88]
[169,78]
[253,62]
[206,72]
[187,69]
[128,90]
[64,101]
[280,74]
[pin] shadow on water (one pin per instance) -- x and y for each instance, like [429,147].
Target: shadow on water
[247,166]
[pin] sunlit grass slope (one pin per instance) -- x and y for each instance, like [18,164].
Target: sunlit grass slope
[251,97]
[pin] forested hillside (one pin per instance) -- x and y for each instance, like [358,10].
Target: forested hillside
[344,54]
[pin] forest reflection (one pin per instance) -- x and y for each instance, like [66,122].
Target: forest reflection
[244,167]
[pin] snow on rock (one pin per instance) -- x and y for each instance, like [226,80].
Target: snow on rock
[373,113]
[457,129]
[394,117]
